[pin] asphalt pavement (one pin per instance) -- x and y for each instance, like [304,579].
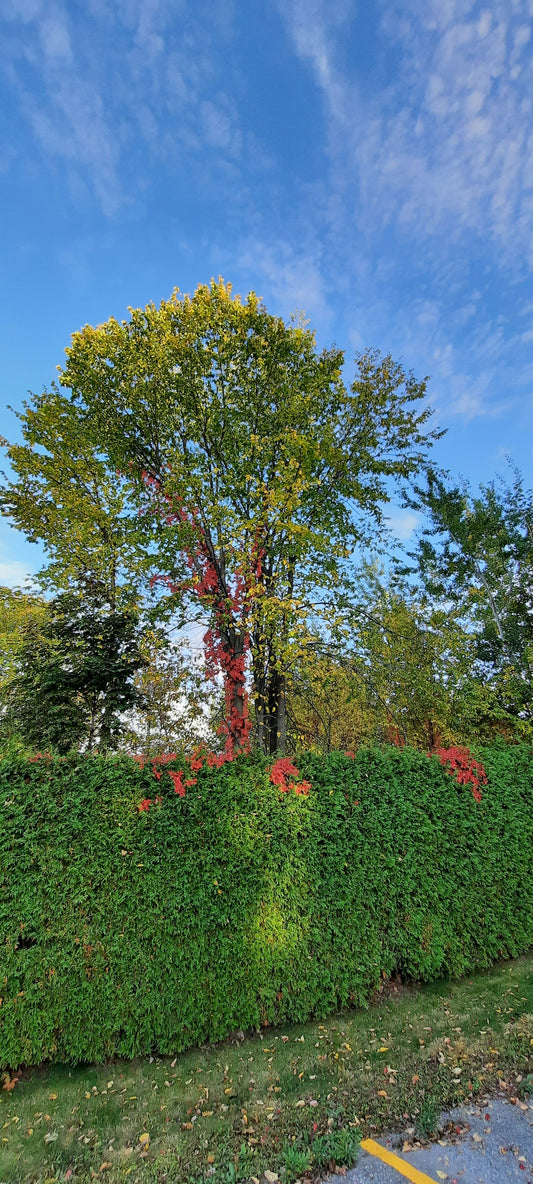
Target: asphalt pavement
[489,1143]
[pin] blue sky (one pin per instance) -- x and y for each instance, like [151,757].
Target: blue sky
[370,164]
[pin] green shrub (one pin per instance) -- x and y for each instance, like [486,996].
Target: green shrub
[123,932]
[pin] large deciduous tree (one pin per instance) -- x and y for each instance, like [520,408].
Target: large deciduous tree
[257,471]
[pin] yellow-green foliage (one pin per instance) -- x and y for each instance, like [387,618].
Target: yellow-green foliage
[123,932]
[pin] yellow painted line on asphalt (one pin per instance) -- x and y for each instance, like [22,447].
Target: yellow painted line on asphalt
[394,1161]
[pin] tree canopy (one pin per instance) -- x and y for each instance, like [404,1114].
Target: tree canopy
[213,445]
[244,442]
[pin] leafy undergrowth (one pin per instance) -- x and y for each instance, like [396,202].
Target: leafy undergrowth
[292,1102]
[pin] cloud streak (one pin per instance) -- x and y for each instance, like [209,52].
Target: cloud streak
[445,145]
[119,86]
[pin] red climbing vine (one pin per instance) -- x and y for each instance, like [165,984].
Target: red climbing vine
[226,641]
[283,773]
[227,638]
[463,767]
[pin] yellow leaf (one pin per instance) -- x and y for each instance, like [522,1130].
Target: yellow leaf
[210,1159]
[384,1049]
[144,1139]
[382,1093]
[442,1175]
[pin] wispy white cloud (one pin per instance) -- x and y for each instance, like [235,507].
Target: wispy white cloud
[14,574]
[402,523]
[446,145]
[108,90]
[430,180]
[315,27]
[292,277]
[450,147]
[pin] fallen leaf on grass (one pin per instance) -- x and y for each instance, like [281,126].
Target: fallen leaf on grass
[144,1139]
[51,1137]
[382,1093]
[10,1084]
[104,1166]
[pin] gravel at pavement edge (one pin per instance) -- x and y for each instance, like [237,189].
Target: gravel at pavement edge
[493,1144]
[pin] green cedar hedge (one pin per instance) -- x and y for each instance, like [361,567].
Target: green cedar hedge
[124,932]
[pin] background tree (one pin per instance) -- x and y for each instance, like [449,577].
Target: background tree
[327,703]
[178,710]
[477,555]
[18,607]
[21,612]
[74,676]
[262,469]
[399,672]
[67,497]
[414,659]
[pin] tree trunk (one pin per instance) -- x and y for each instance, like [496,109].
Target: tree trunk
[92,726]
[277,713]
[260,702]
[282,717]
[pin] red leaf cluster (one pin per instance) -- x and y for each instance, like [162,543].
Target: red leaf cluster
[147,802]
[463,766]
[214,760]
[281,771]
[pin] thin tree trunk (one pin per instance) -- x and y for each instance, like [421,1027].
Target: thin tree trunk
[92,726]
[282,717]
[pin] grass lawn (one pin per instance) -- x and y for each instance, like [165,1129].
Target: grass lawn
[290,1101]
